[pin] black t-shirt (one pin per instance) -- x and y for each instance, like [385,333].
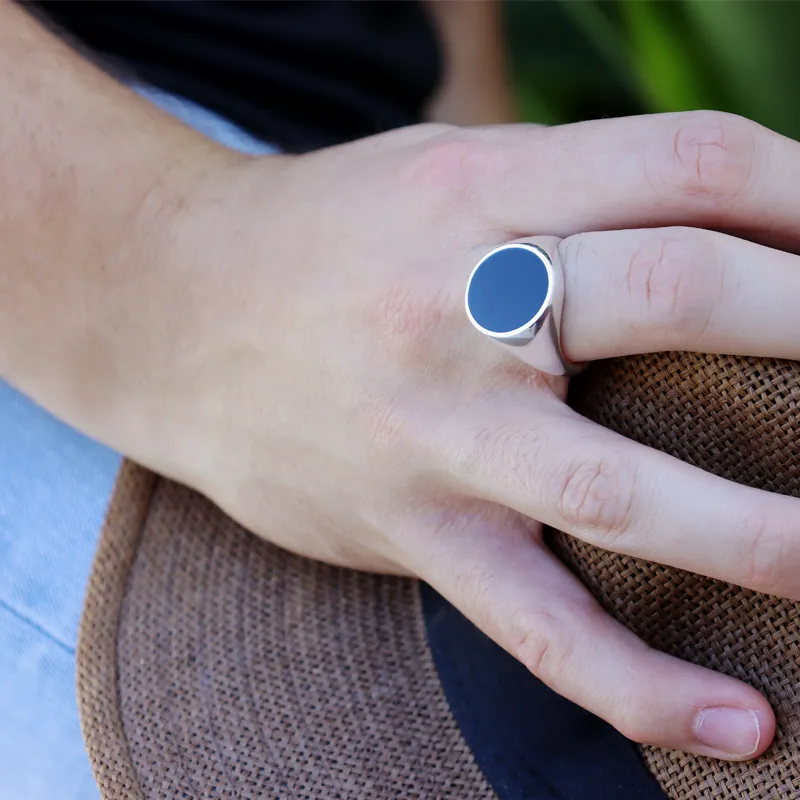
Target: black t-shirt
[299,74]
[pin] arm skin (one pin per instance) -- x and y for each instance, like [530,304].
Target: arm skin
[91,175]
[476,88]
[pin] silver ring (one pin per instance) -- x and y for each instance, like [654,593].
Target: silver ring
[515,295]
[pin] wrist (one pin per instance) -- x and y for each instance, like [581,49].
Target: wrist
[194,242]
[109,303]
[96,187]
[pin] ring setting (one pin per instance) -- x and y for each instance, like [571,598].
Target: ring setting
[515,295]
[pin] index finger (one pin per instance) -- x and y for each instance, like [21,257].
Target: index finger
[707,169]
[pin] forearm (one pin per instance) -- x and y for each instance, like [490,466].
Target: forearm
[90,176]
[475,88]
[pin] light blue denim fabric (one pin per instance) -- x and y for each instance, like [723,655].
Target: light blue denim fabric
[54,488]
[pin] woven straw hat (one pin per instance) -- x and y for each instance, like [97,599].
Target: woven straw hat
[212,664]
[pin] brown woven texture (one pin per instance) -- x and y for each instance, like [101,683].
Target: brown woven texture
[212,664]
[98,698]
[737,418]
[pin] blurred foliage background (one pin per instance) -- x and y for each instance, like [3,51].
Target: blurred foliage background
[583,59]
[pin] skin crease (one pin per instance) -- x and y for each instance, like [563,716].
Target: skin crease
[287,335]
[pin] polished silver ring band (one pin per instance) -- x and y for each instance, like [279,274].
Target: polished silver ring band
[515,295]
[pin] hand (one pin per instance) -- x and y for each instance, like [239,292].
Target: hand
[322,383]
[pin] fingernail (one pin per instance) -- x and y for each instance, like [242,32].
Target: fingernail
[735,731]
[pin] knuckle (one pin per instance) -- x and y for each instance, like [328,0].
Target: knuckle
[595,496]
[709,156]
[674,285]
[764,555]
[445,171]
[542,643]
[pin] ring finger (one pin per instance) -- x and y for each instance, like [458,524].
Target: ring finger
[651,290]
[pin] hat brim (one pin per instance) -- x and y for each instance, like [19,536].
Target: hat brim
[210,658]
[214,664]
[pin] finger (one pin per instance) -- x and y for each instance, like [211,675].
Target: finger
[518,593]
[642,291]
[567,472]
[707,169]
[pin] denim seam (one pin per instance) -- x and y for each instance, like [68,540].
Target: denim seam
[36,626]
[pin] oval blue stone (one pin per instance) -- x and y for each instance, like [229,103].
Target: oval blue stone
[508,289]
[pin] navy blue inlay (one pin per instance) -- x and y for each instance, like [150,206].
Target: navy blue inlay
[508,289]
[530,743]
